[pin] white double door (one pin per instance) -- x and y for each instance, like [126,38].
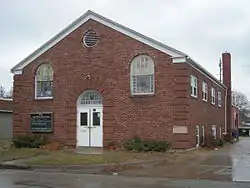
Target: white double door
[90,126]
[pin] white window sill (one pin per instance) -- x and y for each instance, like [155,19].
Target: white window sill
[219,106]
[213,103]
[43,98]
[205,100]
[142,94]
[194,96]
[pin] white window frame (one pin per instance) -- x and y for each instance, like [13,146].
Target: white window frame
[197,135]
[38,97]
[214,132]
[133,81]
[203,134]
[204,91]
[193,86]
[213,96]
[219,99]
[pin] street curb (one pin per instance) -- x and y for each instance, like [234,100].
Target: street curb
[14,166]
[79,168]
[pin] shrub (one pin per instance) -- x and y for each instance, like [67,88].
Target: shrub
[219,142]
[29,141]
[146,145]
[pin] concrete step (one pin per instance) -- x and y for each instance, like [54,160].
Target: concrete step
[89,150]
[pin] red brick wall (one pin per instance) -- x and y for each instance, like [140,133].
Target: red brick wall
[6,104]
[205,113]
[108,66]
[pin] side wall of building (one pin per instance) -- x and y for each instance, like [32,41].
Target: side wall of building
[204,113]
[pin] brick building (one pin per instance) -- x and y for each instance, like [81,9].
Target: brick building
[97,81]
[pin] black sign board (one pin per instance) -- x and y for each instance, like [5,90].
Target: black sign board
[41,122]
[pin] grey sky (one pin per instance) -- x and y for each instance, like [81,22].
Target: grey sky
[201,28]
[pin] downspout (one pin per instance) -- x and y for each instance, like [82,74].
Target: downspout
[225,112]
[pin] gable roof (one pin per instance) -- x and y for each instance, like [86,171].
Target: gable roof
[92,15]
[174,53]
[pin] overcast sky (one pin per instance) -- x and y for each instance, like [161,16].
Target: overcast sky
[201,28]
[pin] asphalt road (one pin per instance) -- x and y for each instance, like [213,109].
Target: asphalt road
[29,179]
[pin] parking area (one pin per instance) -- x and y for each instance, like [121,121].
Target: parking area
[230,163]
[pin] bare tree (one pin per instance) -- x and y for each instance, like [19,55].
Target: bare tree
[9,94]
[2,92]
[241,102]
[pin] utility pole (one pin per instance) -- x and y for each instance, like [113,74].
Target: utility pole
[220,64]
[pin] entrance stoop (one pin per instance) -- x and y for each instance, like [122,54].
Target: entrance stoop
[89,150]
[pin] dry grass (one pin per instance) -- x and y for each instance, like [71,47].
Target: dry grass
[21,153]
[66,158]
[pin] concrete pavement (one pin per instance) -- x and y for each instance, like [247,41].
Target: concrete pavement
[29,179]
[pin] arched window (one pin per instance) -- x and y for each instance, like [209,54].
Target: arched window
[44,81]
[142,75]
[91,97]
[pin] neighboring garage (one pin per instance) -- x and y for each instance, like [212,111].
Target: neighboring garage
[6,108]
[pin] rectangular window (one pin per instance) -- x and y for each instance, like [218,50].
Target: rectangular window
[204,91]
[219,99]
[214,131]
[84,119]
[193,84]
[143,84]
[96,118]
[212,95]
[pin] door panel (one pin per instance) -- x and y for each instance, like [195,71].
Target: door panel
[90,129]
[96,138]
[83,118]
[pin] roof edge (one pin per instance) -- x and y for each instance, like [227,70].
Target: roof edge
[191,62]
[81,20]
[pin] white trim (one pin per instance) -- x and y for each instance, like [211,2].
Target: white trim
[213,95]
[219,104]
[43,98]
[203,134]
[205,73]
[197,135]
[201,70]
[5,99]
[179,60]
[8,111]
[204,91]
[192,77]
[109,23]
[214,127]
[17,72]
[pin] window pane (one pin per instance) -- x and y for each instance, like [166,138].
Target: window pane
[96,118]
[195,91]
[144,84]
[91,97]
[84,119]
[134,84]
[44,89]
[44,73]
